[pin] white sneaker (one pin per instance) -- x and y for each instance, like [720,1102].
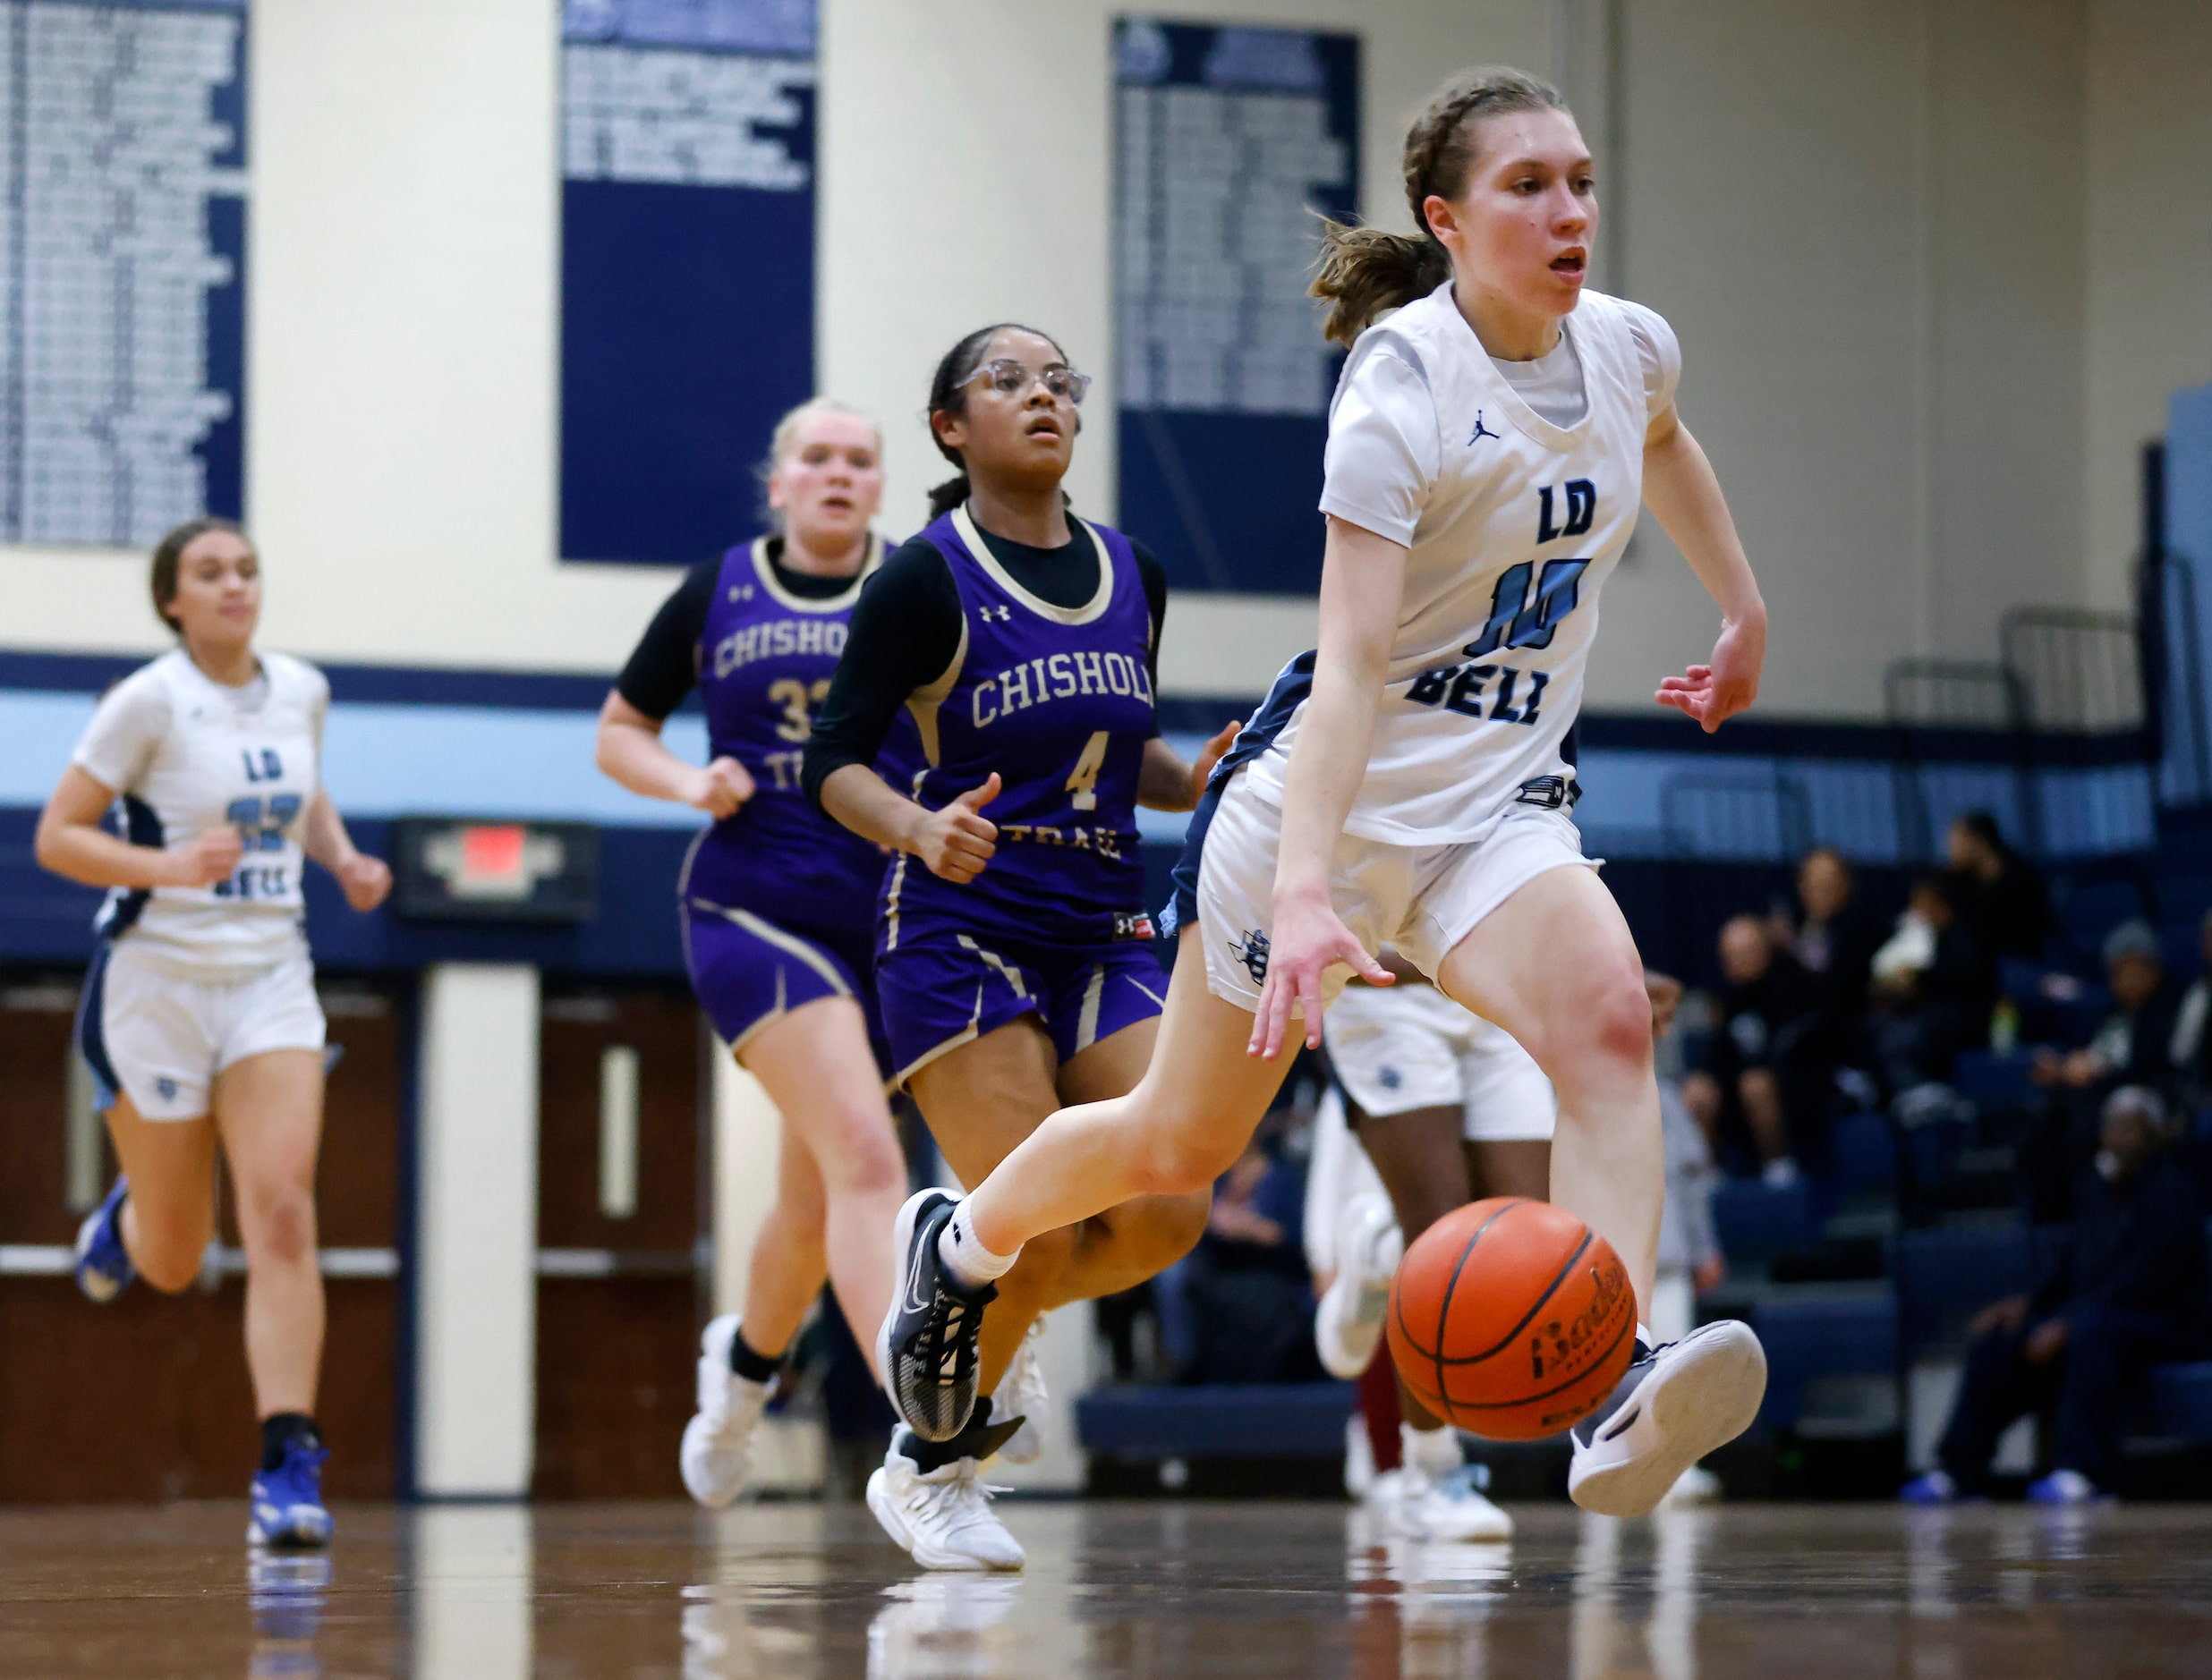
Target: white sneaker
[1695,1485]
[1677,1403]
[1348,1324]
[942,1519]
[1021,1394]
[717,1442]
[939,1627]
[1450,1508]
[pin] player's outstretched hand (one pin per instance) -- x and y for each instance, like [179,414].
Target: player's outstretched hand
[720,788]
[206,858]
[365,881]
[1713,694]
[1308,938]
[1209,756]
[956,842]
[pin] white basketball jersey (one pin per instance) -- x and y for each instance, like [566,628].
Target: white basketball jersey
[186,754]
[1515,528]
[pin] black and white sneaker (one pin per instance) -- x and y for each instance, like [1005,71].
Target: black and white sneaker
[927,1349]
[1676,1403]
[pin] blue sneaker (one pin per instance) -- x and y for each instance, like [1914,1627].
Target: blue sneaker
[103,1265]
[2066,1487]
[287,1501]
[1934,1487]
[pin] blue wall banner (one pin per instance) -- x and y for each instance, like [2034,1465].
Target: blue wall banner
[687,265]
[1227,141]
[122,262]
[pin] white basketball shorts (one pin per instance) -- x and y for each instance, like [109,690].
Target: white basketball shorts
[1422,899]
[161,1034]
[1397,1048]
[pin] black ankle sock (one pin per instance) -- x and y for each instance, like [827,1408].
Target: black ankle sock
[928,1455]
[754,1367]
[279,1433]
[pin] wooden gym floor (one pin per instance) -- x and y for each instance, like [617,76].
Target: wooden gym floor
[1165,1589]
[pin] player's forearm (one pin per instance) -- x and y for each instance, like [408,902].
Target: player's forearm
[862,801]
[79,852]
[1684,493]
[1163,781]
[323,836]
[1362,581]
[639,761]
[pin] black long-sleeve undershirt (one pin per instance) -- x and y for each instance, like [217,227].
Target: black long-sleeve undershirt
[905,633]
[663,668]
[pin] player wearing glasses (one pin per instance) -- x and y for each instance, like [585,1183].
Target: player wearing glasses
[1014,957]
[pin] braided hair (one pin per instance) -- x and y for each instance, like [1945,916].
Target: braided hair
[948,395]
[1364,271]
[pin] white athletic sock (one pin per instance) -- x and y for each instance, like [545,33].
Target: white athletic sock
[1435,1452]
[970,1262]
[1644,1334]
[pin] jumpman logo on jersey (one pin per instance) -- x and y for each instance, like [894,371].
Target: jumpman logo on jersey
[1481,430]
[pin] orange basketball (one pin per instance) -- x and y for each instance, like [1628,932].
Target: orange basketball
[1511,1318]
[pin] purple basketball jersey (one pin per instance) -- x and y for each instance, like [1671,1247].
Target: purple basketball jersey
[1059,701]
[764,665]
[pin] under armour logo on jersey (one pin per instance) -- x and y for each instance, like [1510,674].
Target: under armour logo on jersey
[1481,430]
[1252,952]
[994,614]
[741,591]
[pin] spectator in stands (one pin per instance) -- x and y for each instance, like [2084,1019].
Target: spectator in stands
[1835,943]
[1690,1251]
[2132,1046]
[1250,1309]
[2006,905]
[2127,1288]
[1766,1009]
[1933,988]
[2189,1049]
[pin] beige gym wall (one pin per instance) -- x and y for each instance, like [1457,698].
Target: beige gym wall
[1920,348]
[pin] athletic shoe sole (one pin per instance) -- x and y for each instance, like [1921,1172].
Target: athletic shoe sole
[297,1533]
[1705,1393]
[886,1510]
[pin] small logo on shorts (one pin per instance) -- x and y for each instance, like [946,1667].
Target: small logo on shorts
[1133,924]
[1392,1078]
[1252,952]
[167,1087]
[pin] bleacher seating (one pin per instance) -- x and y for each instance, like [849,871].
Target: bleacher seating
[1946,1275]
[1756,1221]
[1990,1081]
[1147,1422]
[1863,1153]
[1823,1331]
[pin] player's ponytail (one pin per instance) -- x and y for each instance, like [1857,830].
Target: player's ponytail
[169,553]
[1363,271]
[948,395]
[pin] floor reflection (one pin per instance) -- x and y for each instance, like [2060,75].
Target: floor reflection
[1130,1591]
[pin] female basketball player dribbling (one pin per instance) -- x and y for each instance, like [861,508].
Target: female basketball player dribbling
[199,1019]
[1012,954]
[1489,445]
[778,905]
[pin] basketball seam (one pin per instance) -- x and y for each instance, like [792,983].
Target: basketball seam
[1498,1405]
[1443,1311]
[1397,1303]
[1513,1335]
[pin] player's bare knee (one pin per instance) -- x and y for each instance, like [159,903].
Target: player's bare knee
[282,1231]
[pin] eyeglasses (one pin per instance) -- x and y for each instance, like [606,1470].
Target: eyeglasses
[1009,377]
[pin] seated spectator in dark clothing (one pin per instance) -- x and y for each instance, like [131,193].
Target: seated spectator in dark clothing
[1766,1007]
[1250,1302]
[1835,943]
[2007,905]
[2190,1045]
[1934,987]
[2127,1290]
[2132,1046]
